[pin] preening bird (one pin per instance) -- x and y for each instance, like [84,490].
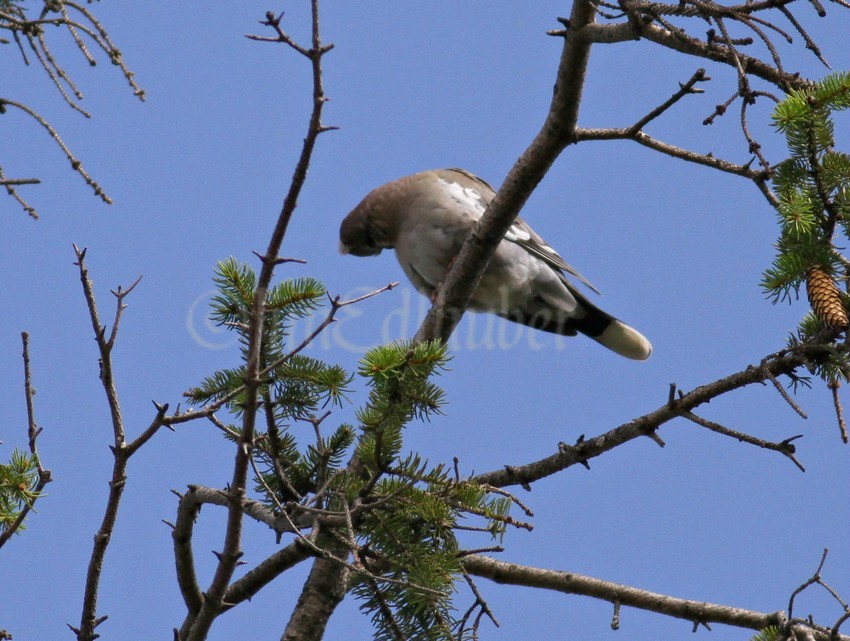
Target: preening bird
[426,217]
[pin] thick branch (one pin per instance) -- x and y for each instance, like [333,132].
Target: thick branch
[323,590]
[266,571]
[557,132]
[254,580]
[569,583]
[683,43]
[784,362]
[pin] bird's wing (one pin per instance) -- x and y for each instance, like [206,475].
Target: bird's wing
[524,236]
[519,232]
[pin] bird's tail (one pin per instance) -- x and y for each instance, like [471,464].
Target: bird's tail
[624,340]
[594,323]
[609,331]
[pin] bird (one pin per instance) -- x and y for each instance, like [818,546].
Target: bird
[425,218]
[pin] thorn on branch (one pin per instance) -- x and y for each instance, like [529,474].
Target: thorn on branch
[671,397]
[271,20]
[788,444]
[563,448]
[278,260]
[654,437]
[121,293]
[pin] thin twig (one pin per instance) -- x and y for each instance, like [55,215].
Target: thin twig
[808,582]
[685,89]
[11,183]
[642,138]
[33,432]
[785,395]
[785,447]
[76,164]
[336,305]
[833,386]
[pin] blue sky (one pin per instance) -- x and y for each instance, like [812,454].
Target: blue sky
[198,173]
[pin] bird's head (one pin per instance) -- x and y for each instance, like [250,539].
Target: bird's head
[371,227]
[356,235]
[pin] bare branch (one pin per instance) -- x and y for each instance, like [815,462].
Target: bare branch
[121,450]
[19,181]
[785,447]
[11,183]
[685,89]
[839,413]
[784,362]
[683,43]
[82,24]
[644,139]
[76,164]
[699,612]
[33,431]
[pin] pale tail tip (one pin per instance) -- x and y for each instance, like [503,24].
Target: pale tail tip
[626,341]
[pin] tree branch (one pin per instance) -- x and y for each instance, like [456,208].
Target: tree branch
[323,590]
[33,431]
[698,612]
[557,132]
[784,362]
[678,40]
[214,598]
[121,450]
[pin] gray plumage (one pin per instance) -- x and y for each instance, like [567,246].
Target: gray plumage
[426,217]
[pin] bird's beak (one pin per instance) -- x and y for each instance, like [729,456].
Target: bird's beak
[362,251]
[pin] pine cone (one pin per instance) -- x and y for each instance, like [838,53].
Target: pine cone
[826,299]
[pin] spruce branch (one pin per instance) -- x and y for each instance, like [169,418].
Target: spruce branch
[197,624]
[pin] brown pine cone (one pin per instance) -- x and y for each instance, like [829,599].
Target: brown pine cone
[826,299]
